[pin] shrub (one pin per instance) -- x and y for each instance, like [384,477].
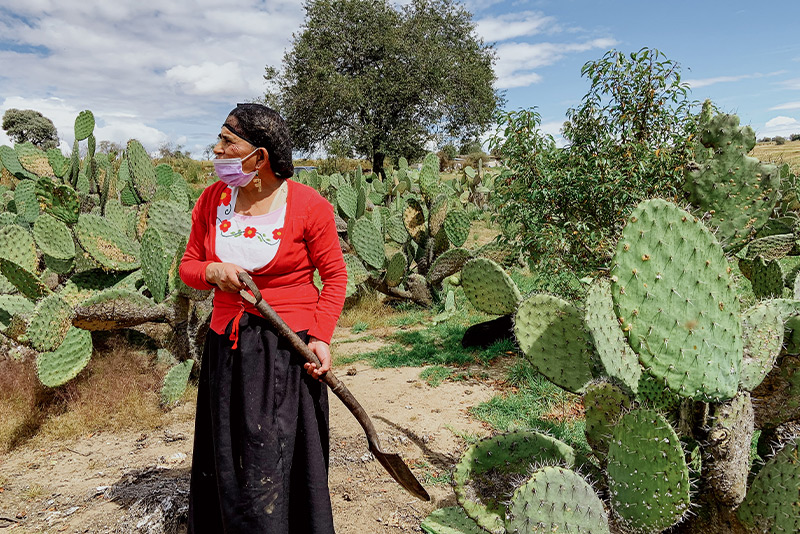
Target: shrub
[794,137]
[779,140]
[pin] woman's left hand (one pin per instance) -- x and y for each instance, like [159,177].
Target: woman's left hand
[323,352]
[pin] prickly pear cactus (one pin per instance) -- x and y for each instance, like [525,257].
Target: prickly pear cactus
[676,301]
[489,288]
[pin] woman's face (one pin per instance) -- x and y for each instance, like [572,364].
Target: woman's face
[230,145]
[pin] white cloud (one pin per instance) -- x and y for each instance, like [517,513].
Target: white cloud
[511,25]
[788,105]
[791,84]
[705,82]
[516,61]
[227,79]
[781,125]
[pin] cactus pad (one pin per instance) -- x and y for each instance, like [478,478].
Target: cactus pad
[11,305]
[33,159]
[175,382]
[450,520]
[16,245]
[84,125]
[676,302]
[396,230]
[551,333]
[772,503]
[356,273]
[456,226]
[771,247]
[25,281]
[618,359]
[142,172]
[438,213]
[107,244]
[605,403]
[556,500]
[49,323]
[489,288]
[766,278]
[347,201]
[155,263]
[762,334]
[414,220]
[54,237]
[489,470]
[396,269]
[63,364]
[449,263]
[368,243]
[116,308]
[648,479]
[25,201]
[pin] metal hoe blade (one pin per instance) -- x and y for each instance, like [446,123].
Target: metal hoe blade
[393,464]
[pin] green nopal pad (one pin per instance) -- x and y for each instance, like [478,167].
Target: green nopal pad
[33,159]
[414,220]
[604,403]
[175,382]
[438,213]
[107,244]
[368,243]
[142,172]
[347,201]
[766,278]
[771,247]
[25,281]
[84,125]
[109,309]
[172,221]
[618,359]
[457,226]
[17,246]
[772,503]
[8,157]
[63,364]
[396,230]
[675,300]
[64,204]
[11,305]
[556,500]
[551,333]
[155,263]
[429,176]
[654,393]
[396,269]
[356,273]
[762,335]
[738,191]
[54,237]
[49,323]
[58,162]
[648,479]
[448,263]
[450,520]
[494,464]
[25,200]
[489,288]
[86,284]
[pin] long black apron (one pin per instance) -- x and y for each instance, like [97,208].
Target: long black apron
[260,461]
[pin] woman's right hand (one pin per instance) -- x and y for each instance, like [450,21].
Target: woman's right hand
[225,276]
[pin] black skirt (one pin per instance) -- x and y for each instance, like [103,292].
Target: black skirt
[260,460]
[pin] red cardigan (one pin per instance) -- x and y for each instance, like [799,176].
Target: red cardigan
[309,243]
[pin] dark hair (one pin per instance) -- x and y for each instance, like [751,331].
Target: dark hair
[263,127]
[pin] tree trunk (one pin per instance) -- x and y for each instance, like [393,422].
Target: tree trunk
[377,164]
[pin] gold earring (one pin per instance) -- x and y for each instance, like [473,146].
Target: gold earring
[257,182]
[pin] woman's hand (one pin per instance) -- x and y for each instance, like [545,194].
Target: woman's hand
[225,276]
[323,352]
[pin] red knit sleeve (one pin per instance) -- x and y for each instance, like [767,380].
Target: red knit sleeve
[326,255]
[193,264]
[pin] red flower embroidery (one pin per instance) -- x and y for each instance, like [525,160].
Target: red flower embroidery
[225,197]
[224,226]
[250,232]
[277,233]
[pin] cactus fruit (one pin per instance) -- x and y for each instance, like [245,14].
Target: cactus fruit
[63,364]
[556,500]
[450,520]
[175,382]
[676,302]
[771,502]
[648,479]
[619,361]
[551,333]
[489,288]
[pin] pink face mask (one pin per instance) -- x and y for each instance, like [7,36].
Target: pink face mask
[229,170]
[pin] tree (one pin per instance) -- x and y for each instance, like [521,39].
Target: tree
[628,140]
[23,125]
[384,79]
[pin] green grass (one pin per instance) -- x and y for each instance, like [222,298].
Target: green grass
[435,345]
[537,404]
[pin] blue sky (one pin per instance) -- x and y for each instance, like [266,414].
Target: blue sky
[170,71]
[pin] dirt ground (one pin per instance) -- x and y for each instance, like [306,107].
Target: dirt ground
[108,482]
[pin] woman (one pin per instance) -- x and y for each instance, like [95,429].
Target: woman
[260,456]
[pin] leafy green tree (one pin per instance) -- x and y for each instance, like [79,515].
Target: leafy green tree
[24,125]
[628,140]
[385,79]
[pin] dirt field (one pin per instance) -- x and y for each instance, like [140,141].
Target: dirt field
[109,482]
